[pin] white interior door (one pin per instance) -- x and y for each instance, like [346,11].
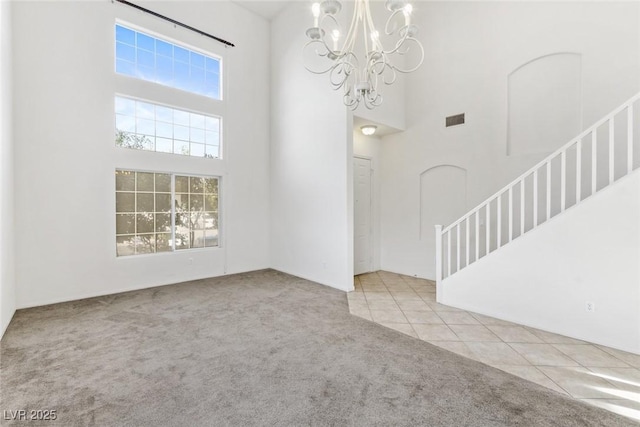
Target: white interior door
[362,240]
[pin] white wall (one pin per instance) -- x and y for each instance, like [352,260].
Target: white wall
[65,153]
[7,273]
[311,163]
[544,278]
[369,147]
[471,48]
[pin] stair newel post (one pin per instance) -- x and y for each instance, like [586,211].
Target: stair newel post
[439,290]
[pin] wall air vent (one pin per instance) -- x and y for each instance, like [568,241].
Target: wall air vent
[458,119]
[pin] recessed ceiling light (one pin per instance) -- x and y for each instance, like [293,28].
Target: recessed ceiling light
[368,130]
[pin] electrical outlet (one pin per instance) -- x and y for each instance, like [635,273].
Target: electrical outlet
[590,307]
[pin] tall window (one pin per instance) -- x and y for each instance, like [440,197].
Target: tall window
[150,58]
[161,212]
[147,126]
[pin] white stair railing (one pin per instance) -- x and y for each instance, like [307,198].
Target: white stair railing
[593,160]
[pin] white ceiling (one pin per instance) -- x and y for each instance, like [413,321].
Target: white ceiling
[265,8]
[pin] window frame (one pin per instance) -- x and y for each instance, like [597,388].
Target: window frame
[174,107]
[168,39]
[173,250]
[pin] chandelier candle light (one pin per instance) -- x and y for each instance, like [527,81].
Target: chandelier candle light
[360,82]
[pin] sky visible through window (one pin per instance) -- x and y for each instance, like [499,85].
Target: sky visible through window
[146,126]
[148,58]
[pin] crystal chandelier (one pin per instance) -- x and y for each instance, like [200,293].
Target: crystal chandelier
[360,79]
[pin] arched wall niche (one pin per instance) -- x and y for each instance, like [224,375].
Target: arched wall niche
[443,197]
[544,103]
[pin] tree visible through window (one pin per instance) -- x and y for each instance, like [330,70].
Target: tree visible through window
[147,126]
[160,212]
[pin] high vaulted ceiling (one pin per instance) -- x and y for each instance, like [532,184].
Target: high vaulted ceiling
[265,8]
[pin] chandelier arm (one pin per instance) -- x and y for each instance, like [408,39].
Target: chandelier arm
[410,70]
[319,54]
[342,68]
[399,43]
[364,14]
[389,20]
[380,67]
[349,40]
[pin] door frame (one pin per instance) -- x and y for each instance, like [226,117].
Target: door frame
[372,215]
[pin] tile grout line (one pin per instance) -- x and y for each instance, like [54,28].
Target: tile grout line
[390,288]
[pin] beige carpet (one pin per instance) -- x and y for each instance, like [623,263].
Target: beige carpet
[261,348]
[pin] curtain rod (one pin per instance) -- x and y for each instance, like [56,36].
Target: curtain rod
[173,21]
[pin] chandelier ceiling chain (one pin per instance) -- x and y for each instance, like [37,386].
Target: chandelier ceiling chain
[360,83]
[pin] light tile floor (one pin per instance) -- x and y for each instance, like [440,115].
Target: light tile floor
[598,375]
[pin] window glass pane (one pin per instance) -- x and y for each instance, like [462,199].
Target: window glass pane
[197,60]
[197,120]
[125,224]
[196,185]
[211,221]
[181,147]
[212,124]
[146,72]
[144,202]
[163,202]
[197,135]
[196,203]
[211,185]
[125,180]
[211,138]
[181,54]
[145,110]
[146,126]
[144,41]
[196,221]
[149,212]
[145,58]
[163,242]
[125,67]
[210,202]
[145,243]
[197,79]
[125,123]
[125,245]
[212,65]
[197,239]
[164,114]
[144,223]
[126,52]
[182,240]
[181,132]
[125,202]
[163,222]
[164,48]
[164,130]
[149,58]
[182,184]
[163,183]
[181,118]
[144,182]
[125,35]
[210,238]
[212,151]
[196,150]
[164,145]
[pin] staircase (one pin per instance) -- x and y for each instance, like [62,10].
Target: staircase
[593,160]
[577,275]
